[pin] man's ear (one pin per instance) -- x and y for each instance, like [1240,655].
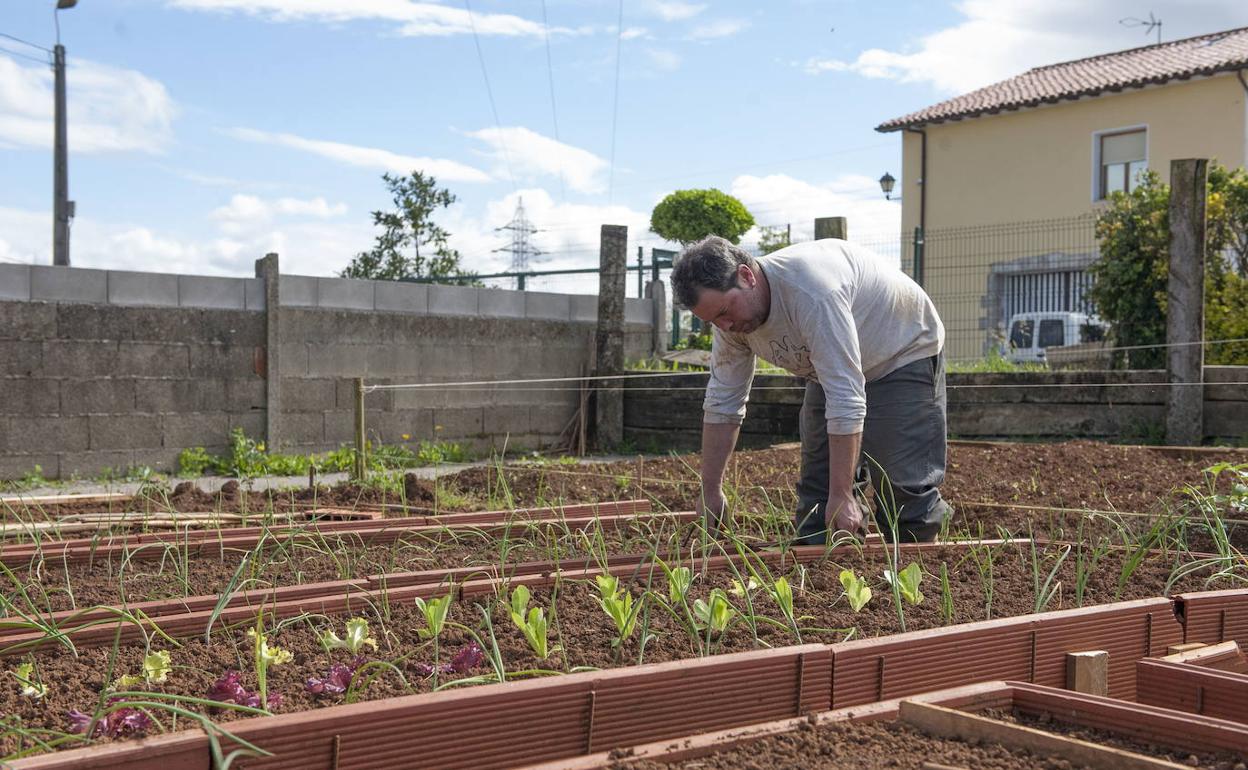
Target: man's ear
[746,277]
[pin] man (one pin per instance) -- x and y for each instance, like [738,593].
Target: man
[869,342]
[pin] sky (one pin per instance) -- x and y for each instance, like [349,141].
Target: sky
[204,134]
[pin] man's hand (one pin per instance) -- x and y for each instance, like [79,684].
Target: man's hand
[842,514]
[713,507]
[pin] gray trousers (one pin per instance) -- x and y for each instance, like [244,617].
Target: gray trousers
[903,453]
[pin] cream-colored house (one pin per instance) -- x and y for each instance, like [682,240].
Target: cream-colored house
[1005,181]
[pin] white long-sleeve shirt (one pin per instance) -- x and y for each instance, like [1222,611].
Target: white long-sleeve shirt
[838,316]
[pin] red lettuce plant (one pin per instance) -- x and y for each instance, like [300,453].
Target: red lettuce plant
[123,721]
[229,689]
[465,660]
[337,680]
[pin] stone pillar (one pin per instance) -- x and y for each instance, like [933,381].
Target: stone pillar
[657,292]
[1185,294]
[609,338]
[832,227]
[267,269]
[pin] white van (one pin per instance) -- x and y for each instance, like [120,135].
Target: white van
[1030,334]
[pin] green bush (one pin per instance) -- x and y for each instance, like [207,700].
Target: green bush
[248,459]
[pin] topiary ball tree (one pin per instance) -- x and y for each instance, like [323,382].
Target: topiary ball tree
[687,216]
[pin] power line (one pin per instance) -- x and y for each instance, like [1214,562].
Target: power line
[28,57]
[25,42]
[502,143]
[615,110]
[554,111]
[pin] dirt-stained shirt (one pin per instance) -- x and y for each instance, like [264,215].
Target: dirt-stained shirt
[839,316]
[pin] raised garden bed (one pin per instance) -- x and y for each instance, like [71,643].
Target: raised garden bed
[973,621]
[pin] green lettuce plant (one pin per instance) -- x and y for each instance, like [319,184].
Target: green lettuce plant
[31,686]
[434,612]
[856,590]
[907,582]
[356,639]
[531,621]
[714,613]
[619,606]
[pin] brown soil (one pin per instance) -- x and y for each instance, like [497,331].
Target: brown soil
[578,626]
[1046,722]
[114,580]
[1074,474]
[863,746]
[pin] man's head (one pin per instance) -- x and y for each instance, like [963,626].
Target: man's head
[722,285]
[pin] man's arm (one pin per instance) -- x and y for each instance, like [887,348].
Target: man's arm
[841,511]
[718,441]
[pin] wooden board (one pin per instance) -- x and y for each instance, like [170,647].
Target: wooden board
[951,723]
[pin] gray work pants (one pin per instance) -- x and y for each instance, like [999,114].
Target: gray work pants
[903,453]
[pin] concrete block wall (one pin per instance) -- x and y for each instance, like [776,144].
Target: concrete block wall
[104,369]
[88,388]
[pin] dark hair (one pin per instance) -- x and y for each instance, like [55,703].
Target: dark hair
[711,263]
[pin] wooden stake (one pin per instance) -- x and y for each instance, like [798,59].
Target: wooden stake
[951,723]
[360,460]
[1088,672]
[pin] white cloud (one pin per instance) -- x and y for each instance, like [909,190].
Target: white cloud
[663,59]
[415,19]
[717,29]
[306,247]
[246,213]
[673,10]
[631,33]
[1001,38]
[531,154]
[367,157]
[110,109]
[779,199]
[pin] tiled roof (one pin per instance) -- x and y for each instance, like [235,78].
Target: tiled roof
[1134,68]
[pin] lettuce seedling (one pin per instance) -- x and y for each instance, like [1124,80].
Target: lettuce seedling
[619,606]
[116,724]
[31,687]
[229,689]
[907,581]
[715,614]
[782,593]
[357,637]
[435,612]
[265,656]
[678,582]
[337,680]
[531,623]
[156,667]
[468,658]
[856,590]
[738,589]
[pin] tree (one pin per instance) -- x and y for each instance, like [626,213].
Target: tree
[691,215]
[1132,272]
[411,244]
[773,239]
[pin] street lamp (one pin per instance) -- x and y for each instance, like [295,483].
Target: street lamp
[886,184]
[62,206]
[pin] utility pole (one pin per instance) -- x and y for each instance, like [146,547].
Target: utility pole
[520,249]
[62,206]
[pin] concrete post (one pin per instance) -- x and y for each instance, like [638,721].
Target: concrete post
[657,292]
[267,269]
[609,339]
[831,227]
[1185,294]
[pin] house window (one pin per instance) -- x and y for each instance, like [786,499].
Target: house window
[1123,161]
